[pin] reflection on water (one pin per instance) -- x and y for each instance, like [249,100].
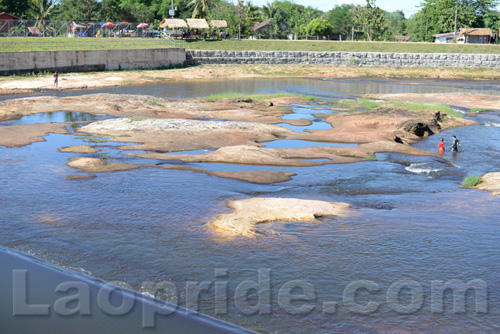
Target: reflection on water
[324,88]
[55,117]
[409,221]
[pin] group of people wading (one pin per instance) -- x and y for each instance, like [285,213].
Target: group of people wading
[454,145]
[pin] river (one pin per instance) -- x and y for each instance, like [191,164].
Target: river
[411,222]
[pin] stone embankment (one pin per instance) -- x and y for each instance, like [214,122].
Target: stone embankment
[199,57]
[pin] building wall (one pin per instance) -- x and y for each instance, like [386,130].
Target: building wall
[478,39]
[90,60]
[345,58]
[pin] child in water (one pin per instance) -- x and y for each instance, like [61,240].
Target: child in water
[441,146]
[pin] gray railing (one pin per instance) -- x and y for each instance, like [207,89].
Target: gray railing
[40,28]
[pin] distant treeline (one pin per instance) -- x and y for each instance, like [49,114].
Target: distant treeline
[358,22]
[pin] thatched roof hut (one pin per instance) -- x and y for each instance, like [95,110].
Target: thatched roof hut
[173,23]
[218,24]
[197,23]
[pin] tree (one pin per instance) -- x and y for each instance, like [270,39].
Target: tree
[268,11]
[79,10]
[340,17]
[395,23]
[370,19]
[201,8]
[319,27]
[15,7]
[492,20]
[438,16]
[42,9]
[110,11]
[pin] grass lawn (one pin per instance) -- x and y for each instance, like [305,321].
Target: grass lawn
[64,43]
[283,45]
[20,44]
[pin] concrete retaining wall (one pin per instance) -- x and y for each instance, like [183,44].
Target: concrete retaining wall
[14,62]
[345,58]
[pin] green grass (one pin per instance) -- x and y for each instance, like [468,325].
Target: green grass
[257,97]
[372,158]
[373,105]
[22,44]
[434,107]
[136,119]
[155,103]
[479,109]
[471,181]
[64,43]
[362,46]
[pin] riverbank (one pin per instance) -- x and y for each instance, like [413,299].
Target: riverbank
[93,80]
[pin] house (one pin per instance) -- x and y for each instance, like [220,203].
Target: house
[475,35]
[444,38]
[7,21]
[466,35]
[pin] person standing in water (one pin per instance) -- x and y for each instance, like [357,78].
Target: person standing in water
[441,147]
[56,80]
[455,143]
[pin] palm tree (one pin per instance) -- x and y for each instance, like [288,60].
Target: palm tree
[201,8]
[41,10]
[268,10]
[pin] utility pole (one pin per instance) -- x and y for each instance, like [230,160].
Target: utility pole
[456,13]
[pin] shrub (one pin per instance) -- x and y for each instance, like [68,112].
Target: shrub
[471,181]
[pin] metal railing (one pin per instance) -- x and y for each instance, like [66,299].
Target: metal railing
[40,28]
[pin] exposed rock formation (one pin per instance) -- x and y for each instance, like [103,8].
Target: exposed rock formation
[490,182]
[185,134]
[94,165]
[79,149]
[250,212]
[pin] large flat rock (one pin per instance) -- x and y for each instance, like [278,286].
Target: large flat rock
[250,212]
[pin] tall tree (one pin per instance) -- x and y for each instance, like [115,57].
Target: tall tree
[395,23]
[15,7]
[79,10]
[110,10]
[340,17]
[201,8]
[268,10]
[492,20]
[42,9]
[369,19]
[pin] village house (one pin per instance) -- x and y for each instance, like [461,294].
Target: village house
[7,21]
[466,35]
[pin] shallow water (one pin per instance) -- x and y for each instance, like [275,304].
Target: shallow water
[55,117]
[410,220]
